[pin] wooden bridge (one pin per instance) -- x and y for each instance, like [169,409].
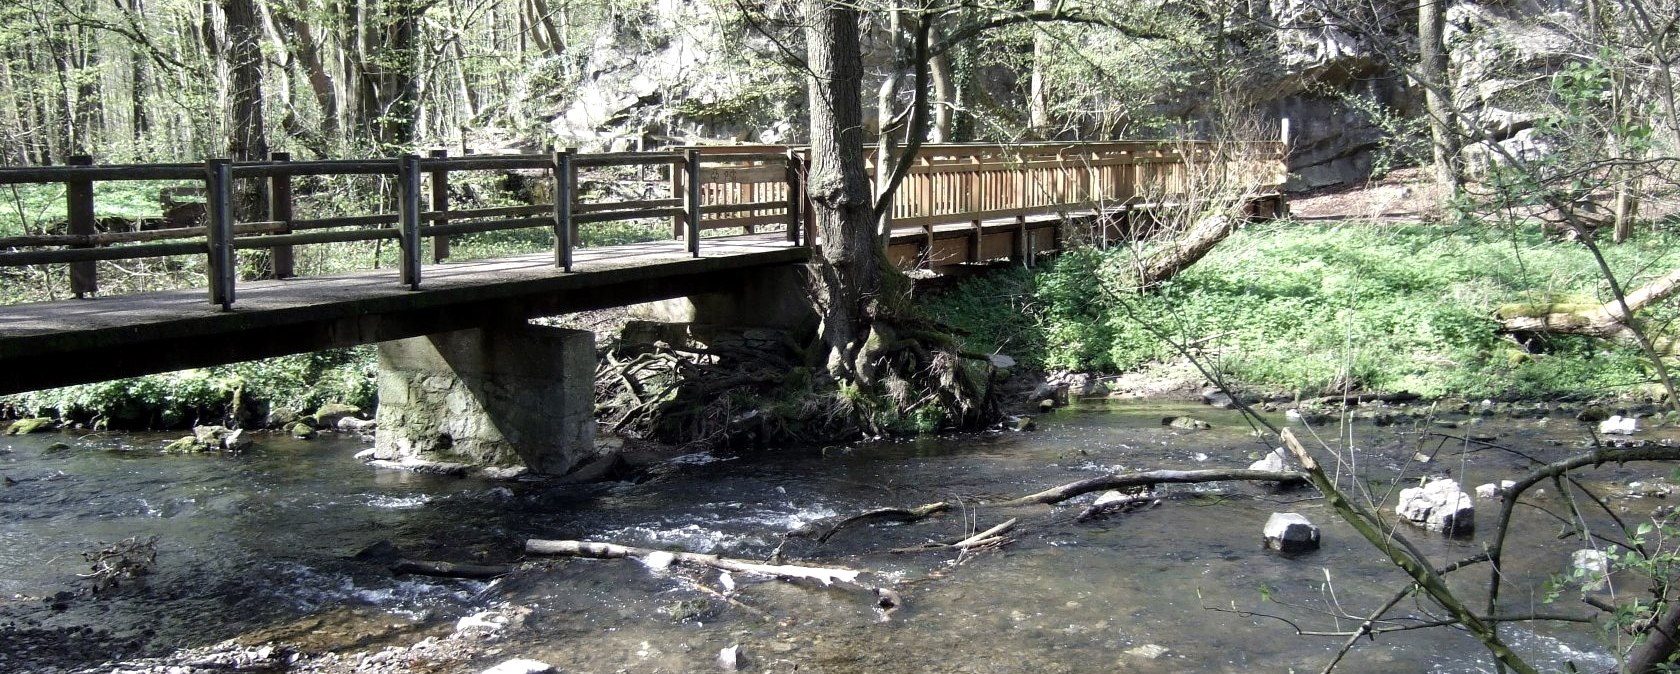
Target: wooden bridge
[733,211]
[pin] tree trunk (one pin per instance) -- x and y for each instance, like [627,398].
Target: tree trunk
[851,267]
[1038,103]
[1186,251]
[944,99]
[1437,92]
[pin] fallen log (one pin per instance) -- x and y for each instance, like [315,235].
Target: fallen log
[449,569]
[825,575]
[1603,320]
[1124,481]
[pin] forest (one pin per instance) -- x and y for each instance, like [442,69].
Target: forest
[1487,196]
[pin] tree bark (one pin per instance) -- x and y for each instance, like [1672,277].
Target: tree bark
[1038,99]
[1186,251]
[1437,92]
[851,267]
[1604,320]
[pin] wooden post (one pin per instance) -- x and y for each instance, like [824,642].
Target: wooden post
[280,210]
[564,185]
[78,203]
[440,204]
[692,169]
[218,203]
[794,200]
[408,218]
[678,191]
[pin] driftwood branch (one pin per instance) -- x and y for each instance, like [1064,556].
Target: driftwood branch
[887,514]
[992,536]
[1153,477]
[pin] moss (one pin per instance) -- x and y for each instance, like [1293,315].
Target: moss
[27,426]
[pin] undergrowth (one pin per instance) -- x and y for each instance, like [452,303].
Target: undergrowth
[1315,308]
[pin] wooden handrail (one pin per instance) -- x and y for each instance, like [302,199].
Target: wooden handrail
[711,188]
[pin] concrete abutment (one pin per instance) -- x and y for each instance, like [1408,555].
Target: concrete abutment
[496,396]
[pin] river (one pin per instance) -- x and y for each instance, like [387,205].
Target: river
[263,545]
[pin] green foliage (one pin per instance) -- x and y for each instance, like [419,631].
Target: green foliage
[209,395]
[1315,308]
[992,313]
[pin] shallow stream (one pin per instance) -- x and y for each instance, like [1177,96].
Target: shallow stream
[263,545]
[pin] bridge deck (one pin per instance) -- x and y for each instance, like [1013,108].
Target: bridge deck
[53,343]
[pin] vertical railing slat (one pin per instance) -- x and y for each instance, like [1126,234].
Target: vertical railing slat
[408,218]
[691,167]
[218,204]
[440,204]
[78,203]
[280,210]
[563,195]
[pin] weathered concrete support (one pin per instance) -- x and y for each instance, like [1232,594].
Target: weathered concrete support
[774,301]
[503,395]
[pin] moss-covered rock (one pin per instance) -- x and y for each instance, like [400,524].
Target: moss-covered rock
[27,426]
[185,445]
[330,413]
[301,431]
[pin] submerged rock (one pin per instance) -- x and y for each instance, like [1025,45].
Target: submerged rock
[1148,651]
[1290,532]
[1438,505]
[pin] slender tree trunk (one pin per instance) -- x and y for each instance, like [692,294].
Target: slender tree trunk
[1038,102]
[944,99]
[1437,92]
[850,270]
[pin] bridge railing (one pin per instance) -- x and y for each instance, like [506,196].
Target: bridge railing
[974,191]
[737,191]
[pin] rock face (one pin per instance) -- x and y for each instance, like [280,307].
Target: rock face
[1290,532]
[1438,506]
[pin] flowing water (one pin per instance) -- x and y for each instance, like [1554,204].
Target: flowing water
[263,545]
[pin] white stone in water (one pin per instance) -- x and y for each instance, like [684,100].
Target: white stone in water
[1273,462]
[1619,425]
[486,620]
[1108,497]
[1290,532]
[1491,490]
[659,560]
[520,666]
[1438,505]
[367,455]
[1593,565]
[730,658]
[1149,651]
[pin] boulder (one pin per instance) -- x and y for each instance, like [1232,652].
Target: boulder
[354,425]
[302,431]
[1290,532]
[1186,423]
[329,414]
[183,446]
[1591,567]
[1619,425]
[27,426]
[1592,414]
[1218,398]
[1438,505]
[1273,461]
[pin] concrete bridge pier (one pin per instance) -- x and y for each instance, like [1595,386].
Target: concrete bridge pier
[503,395]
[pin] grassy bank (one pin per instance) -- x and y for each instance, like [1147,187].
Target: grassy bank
[1312,308]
